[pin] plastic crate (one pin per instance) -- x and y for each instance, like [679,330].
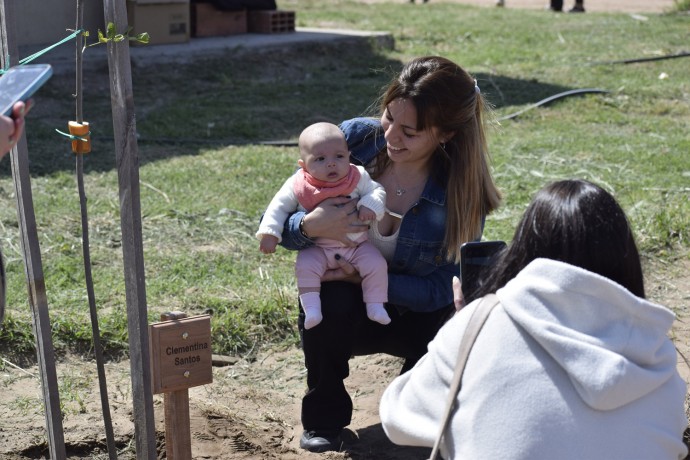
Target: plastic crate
[270,21]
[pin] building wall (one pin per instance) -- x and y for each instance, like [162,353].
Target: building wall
[41,23]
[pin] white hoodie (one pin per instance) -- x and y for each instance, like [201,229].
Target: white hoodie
[570,365]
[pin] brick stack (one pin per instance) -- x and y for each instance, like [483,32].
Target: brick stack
[228,17]
[271,21]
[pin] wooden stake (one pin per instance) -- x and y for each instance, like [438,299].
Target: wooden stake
[127,160]
[178,438]
[33,268]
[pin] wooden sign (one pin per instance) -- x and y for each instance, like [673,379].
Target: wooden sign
[180,353]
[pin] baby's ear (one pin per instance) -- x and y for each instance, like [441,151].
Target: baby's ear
[300,163]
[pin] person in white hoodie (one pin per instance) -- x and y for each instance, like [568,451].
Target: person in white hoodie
[573,363]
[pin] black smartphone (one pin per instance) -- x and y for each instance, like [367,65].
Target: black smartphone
[20,82]
[475,258]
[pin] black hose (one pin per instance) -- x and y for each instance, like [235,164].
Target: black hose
[288,143]
[574,92]
[647,59]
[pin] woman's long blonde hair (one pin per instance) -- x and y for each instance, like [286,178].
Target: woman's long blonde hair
[447,97]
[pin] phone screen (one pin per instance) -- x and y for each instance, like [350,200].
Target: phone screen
[20,82]
[475,258]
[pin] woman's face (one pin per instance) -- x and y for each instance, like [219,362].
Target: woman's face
[404,142]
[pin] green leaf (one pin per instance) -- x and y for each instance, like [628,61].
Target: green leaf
[111,30]
[101,37]
[141,38]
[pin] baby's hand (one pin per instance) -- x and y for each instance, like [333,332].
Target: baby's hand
[366,214]
[268,244]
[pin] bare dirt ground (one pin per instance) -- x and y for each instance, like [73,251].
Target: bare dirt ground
[250,411]
[252,408]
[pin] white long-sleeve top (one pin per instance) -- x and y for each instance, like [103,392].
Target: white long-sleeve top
[371,194]
[570,365]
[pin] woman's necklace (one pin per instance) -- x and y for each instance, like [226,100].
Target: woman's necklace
[402,202]
[399,190]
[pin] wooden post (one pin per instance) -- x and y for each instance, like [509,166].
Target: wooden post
[33,268]
[127,160]
[180,359]
[178,437]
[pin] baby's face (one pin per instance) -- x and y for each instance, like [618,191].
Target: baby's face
[328,160]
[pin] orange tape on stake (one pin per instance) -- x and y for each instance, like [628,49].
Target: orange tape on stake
[80,130]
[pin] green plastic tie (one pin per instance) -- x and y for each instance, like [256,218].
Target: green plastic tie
[28,59]
[73,137]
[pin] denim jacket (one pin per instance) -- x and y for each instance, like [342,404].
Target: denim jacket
[419,276]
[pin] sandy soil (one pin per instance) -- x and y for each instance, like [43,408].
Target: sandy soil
[252,408]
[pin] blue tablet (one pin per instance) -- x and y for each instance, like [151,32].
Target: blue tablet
[20,82]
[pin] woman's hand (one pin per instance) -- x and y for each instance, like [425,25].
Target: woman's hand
[458,298]
[346,272]
[11,128]
[334,218]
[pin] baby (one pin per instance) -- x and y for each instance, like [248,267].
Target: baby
[326,172]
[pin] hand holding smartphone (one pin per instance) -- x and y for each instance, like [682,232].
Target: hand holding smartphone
[475,258]
[19,83]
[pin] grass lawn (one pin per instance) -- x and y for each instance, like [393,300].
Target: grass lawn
[206,177]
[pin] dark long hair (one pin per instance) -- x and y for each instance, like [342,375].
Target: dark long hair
[576,222]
